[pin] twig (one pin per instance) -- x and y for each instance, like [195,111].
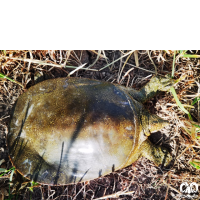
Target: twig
[152,62]
[99,52]
[80,67]
[43,62]
[171,187]
[117,59]
[123,67]
[143,69]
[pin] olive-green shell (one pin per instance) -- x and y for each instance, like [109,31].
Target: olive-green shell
[68,130]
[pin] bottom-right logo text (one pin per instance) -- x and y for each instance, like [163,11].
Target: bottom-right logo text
[189,191]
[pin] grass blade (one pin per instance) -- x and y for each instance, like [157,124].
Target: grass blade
[190,56]
[4,76]
[173,65]
[195,163]
[179,103]
[195,100]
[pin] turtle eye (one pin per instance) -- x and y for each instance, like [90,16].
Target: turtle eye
[164,150]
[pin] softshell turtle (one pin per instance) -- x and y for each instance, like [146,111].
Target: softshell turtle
[68,130]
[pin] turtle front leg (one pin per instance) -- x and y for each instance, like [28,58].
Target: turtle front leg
[155,85]
[158,154]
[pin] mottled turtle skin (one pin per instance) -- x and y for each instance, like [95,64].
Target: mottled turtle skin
[69,130]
